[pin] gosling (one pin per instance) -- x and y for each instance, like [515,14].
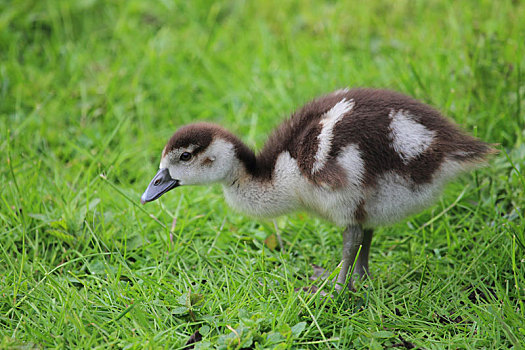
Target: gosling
[359,158]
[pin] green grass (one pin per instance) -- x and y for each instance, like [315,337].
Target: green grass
[91,90]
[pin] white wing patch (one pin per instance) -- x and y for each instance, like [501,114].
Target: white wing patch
[409,138]
[353,164]
[325,137]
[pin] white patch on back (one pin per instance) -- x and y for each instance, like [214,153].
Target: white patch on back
[351,161]
[409,138]
[325,137]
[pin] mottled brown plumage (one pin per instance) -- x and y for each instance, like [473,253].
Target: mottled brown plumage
[359,158]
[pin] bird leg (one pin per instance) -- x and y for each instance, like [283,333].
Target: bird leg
[361,266]
[352,239]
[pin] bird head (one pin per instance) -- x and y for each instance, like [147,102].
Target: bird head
[196,154]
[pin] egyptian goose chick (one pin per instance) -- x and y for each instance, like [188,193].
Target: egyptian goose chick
[359,158]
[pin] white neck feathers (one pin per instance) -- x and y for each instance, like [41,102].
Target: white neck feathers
[265,198]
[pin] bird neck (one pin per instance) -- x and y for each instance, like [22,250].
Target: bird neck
[249,192]
[244,160]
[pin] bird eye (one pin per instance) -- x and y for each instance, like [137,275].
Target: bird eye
[185,156]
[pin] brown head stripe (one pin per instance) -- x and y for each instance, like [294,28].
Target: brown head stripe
[202,134]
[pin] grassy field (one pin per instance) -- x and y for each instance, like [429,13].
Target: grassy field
[91,90]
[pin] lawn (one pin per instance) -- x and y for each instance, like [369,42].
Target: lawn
[91,90]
